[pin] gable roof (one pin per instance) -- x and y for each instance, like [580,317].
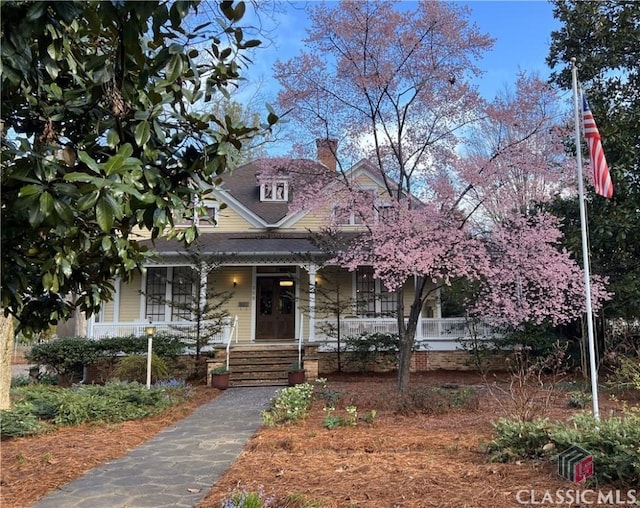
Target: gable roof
[243,186]
[242,189]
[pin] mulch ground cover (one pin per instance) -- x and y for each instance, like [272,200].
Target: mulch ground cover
[412,460]
[32,466]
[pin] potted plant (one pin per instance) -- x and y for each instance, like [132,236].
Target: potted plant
[296,374]
[220,377]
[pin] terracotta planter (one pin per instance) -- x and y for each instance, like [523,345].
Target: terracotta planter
[296,377]
[220,381]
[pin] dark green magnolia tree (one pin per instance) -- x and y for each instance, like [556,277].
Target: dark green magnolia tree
[108,129]
[106,132]
[604,37]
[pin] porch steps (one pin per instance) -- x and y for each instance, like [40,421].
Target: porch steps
[261,364]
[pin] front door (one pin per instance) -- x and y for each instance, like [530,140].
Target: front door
[276,308]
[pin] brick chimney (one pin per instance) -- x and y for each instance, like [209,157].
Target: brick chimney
[327,152]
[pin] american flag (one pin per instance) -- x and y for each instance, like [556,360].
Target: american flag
[601,177]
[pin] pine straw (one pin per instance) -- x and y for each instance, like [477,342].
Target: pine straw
[402,461]
[33,466]
[415,461]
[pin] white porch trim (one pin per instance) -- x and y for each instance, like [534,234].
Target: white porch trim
[434,334]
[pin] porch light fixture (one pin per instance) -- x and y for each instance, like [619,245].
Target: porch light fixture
[286,283]
[235,282]
[150,330]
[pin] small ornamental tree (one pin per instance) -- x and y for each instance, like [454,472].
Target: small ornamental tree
[393,87]
[332,304]
[206,306]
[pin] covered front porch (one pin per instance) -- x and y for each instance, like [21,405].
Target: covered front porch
[434,334]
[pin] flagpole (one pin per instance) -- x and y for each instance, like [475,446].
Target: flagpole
[585,246]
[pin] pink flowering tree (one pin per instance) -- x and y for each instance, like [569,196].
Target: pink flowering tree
[533,280]
[515,156]
[393,86]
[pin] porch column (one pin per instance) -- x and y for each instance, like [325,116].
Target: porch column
[312,270]
[202,297]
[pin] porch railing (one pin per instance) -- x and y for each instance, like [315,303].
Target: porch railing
[443,334]
[433,333]
[184,329]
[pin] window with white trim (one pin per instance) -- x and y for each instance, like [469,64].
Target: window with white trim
[212,216]
[349,214]
[277,190]
[373,298]
[166,289]
[210,219]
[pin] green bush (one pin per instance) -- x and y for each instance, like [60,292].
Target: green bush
[627,373]
[21,380]
[43,400]
[519,439]
[578,399]
[327,395]
[134,368]
[65,357]
[614,443]
[164,346]
[113,402]
[369,350]
[19,422]
[291,404]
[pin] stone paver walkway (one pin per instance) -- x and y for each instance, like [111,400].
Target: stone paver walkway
[179,465]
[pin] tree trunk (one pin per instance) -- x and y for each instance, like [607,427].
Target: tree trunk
[6,350]
[79,323]
[407,332]
[404,361]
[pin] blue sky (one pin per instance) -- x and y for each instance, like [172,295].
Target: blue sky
[522,30]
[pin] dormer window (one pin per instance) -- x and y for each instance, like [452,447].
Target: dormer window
[274,191]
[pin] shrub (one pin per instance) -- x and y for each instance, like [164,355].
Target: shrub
[244,499]
[134,368]
[65,357]
[370,350]
[290,405]
[519,439]
[614,443]
[578,399]
[535,382]
[165,346]
[113,402]
[19,421]
[327,395]
[627,373]
[21,380]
